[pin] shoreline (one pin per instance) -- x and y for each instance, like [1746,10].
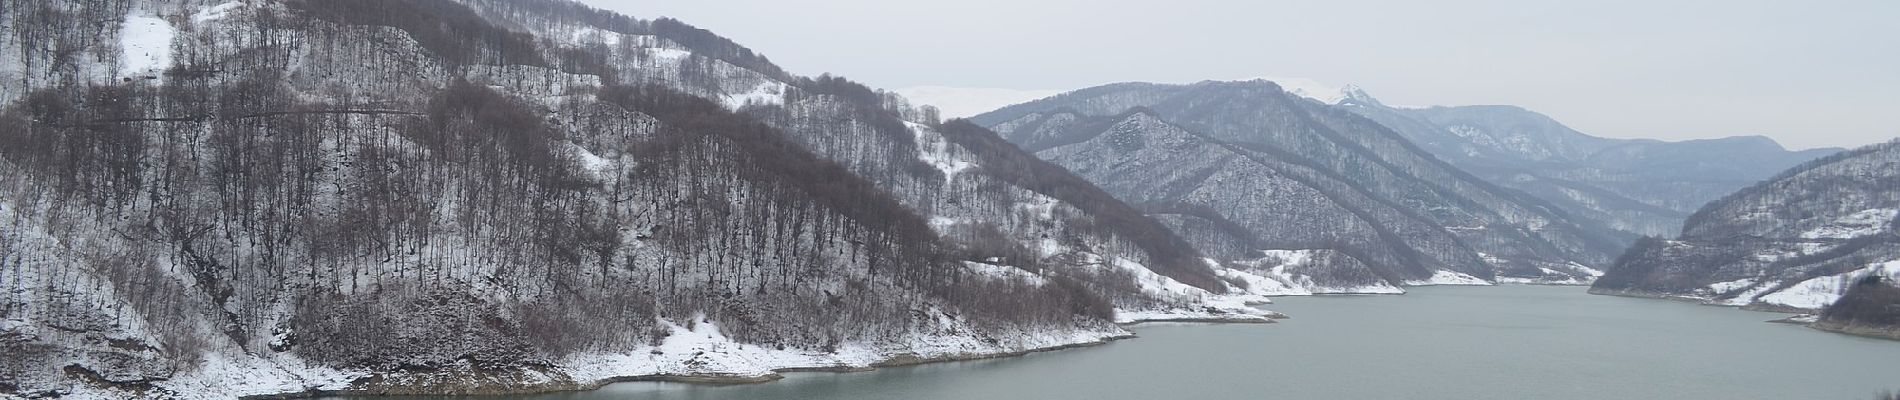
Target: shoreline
[1792,315]
[1752,307]
[715,379]
[894,361]
[1885,333]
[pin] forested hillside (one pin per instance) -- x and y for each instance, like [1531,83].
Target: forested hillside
[1316,196]
[209,199]
[1796,242]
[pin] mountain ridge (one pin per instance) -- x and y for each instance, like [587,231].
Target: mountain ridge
[1639,186]
[1270,124]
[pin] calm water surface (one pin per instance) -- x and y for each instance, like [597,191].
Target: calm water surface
[1507,342]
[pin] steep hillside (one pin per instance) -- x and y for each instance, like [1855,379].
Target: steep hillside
[1250,172]
[1636,186]
[1796,242]
[210,199]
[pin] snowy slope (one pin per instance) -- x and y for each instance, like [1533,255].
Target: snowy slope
[1796,242]
[335,199]
[145,42]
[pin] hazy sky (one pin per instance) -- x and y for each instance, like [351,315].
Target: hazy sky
[1808,73]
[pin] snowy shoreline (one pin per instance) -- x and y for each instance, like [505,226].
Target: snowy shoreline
[1876,332]
[775,374]
[1792,315]
[704,378]
[696,352]
[1642,294]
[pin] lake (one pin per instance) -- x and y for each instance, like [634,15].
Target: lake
[1504,342]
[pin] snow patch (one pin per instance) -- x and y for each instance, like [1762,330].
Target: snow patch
[942,222]
[1278,265]
[1262,285]
[1003,272]
[699,348]
[221,376]
[1196,304]
[1730,286]
[766,93]
[934,150]
[666,55]
[1863,223]
[217,12]
[1449,278]
[1818,293]
[1592,272]
[145,46]
[587,34]
[600,167]
[1290,257]
[1748,289]
[1153,283]
[1039,206]
[1749,296]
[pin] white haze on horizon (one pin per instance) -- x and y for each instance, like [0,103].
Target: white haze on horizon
[1809,74]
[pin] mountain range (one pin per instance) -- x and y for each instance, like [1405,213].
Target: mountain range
[1636,186]
[238,199]
[1275,177]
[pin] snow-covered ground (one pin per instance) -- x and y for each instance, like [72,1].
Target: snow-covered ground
[1811,294]
[693,350]
[1449,278]
[1197,304]
[1748,295]
[592,162]
[1262,285]
[933,149]
[766,93]
[217,12]
[1280,265]
[145,44]
[993,271]
[1863,223]
[1819,292]
[698,349]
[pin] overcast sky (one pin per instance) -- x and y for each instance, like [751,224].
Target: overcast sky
[1808,73]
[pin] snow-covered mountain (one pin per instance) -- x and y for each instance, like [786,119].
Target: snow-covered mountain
[1796,242]
[1637,186]
[1300,189]
[215,199]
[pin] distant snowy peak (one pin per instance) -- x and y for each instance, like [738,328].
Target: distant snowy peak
[1324,93]
[1354,94]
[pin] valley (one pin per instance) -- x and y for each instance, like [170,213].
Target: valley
[249,199]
